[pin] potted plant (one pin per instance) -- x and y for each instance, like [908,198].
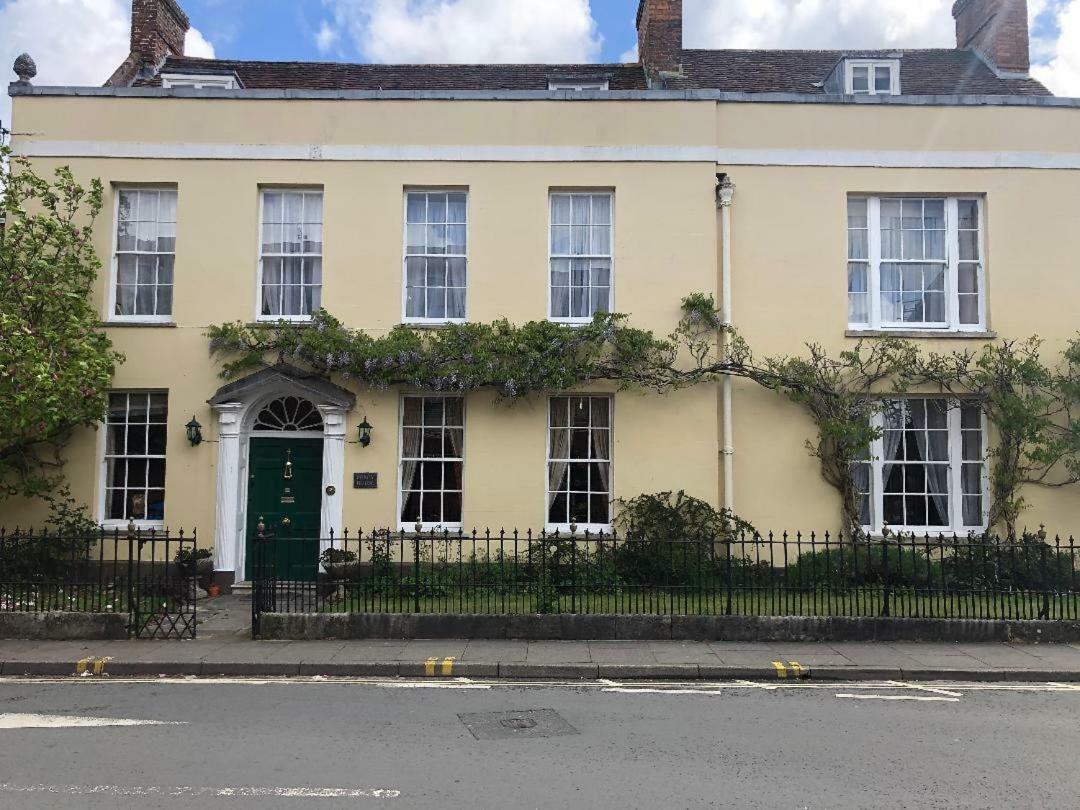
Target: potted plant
[340,565]
[197,563]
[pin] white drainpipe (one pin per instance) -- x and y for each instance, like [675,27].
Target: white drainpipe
[725,196]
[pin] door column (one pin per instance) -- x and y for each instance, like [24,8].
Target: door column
[227,534]
[333,473]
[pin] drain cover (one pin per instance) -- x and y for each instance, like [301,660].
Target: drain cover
[510,725]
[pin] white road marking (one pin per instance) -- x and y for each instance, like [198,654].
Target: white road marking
[921,688]
[696,687]
[206,792]
[901,697]
[431,685]
[15,721]
[657,691]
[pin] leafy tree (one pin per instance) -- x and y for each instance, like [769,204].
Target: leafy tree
[55,363]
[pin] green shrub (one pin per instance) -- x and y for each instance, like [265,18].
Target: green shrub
[673,539]
[1028,563]
[862,564]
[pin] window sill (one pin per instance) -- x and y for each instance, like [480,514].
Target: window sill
[592,529]
[139,324]
[574,322]
[921,333]
[433,324]
[922,534]
[140,525]
[453,529]
[279,322]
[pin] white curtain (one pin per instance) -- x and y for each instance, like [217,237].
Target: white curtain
[559,451]
[937,475]
[601,441]
[410,452]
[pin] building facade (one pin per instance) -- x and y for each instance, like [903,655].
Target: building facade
[931,194]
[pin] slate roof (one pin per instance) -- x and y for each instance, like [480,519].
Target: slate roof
[342,76]
[922,72]
[940,71]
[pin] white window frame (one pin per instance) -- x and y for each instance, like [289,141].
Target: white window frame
[427,526]
[553,192]
[263,191]
[405,255]
[872,65]
[952,266]
[198,81]
[595,528]
[114,270]
[103,467]
[956,462]
[579,86]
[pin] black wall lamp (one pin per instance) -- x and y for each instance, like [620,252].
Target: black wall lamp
[194,432]
[364,429]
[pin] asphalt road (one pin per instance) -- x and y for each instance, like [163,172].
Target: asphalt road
[406,745]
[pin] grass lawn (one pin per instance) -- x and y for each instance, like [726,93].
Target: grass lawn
[762,602]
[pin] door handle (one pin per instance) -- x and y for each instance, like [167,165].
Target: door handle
[286,522]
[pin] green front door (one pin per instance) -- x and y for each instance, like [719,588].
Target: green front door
[285,495]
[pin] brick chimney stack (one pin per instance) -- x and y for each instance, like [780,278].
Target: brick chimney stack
[997,30]
[158,29]
[659,25]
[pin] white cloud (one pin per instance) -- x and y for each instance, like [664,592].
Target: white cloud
[1055,46]
[72,41]
[454,31]
[195,44]
[1060,57]
[78,42]
[326,37]
[818,23]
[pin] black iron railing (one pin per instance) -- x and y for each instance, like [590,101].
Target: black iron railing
[773,575]
[149,575]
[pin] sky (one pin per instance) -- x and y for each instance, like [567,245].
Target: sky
[83,41]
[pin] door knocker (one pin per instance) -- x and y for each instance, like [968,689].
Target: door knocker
[288,465]
[286,522]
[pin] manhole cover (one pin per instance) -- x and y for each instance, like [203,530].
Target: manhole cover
[509,725]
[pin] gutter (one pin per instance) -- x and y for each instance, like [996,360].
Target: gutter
[725,193]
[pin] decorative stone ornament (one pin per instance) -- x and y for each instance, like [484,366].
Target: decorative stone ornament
[25,68]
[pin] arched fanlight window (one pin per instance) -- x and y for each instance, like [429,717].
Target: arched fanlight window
[289,414]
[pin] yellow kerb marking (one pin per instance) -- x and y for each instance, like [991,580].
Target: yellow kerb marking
[447,667]
[796,667]
[99,665]
[429,667]
[82,664]
[781,671]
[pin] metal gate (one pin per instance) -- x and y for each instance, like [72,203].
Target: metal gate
[163,579]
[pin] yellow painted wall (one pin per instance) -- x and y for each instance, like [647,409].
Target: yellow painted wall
[789,258]
[790,253]
[216,267]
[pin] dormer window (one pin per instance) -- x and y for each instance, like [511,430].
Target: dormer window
[198,81]
[872,77]
[578,85]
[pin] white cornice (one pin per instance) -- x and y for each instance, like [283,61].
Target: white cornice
[716,96]
[887,158]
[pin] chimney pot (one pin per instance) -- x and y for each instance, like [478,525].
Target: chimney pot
[997,30]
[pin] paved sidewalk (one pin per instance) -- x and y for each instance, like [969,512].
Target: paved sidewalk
[656,660]
[224,648]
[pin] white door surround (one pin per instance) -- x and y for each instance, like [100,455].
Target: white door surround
[237,406]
